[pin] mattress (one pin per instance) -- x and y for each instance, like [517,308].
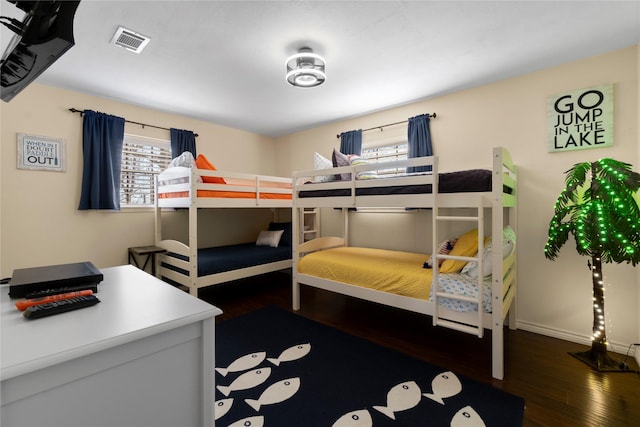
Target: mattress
[396,272]
[233,257]
[226,195]
[389,271]
[460,284]
[468,181]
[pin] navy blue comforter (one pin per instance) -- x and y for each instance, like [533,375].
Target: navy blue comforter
[233,257]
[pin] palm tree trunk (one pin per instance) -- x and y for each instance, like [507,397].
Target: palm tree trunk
[597,356]
[599,337]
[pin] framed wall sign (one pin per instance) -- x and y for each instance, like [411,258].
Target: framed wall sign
[41,153]
[581,119]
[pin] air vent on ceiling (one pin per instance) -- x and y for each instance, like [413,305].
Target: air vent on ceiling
[130,40]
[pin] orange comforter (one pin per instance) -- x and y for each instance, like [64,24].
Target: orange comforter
[228,195]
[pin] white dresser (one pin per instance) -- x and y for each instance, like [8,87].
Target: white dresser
[143,356]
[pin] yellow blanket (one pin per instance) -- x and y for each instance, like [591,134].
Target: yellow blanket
[389,271]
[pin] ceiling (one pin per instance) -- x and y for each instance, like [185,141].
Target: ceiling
[224,61]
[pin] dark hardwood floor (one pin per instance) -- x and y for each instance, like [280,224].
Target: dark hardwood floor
[558,389]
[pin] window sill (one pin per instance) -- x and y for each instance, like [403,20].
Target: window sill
[134,209]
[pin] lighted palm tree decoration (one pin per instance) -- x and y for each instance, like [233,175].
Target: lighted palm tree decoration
[598,207]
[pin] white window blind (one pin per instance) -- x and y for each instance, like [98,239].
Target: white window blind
[386,153]
[142,159]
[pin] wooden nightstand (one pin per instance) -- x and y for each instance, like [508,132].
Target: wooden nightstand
[150,253]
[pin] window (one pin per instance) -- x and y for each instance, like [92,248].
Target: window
[142,159]
[387,153]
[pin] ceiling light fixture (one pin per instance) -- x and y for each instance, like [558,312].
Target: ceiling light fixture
[306,69]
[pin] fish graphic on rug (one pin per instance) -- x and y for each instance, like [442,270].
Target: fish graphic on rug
[359,418]
[467,417]
[221,407]
[276,393]
[444,385]
[246,381]
[257,421]
[400,398]
[243,363]
[292,353]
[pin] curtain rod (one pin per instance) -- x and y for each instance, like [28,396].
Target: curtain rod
[433,116]
[75,110]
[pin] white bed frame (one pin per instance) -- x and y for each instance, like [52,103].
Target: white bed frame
[502,205]
[258,184]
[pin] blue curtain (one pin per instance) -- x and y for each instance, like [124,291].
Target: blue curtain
[351,142]
[102,139]
[181,141]
[419,140]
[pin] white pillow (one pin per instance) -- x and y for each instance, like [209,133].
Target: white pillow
[508,244]
[269,238]
[185,160]
[320,162]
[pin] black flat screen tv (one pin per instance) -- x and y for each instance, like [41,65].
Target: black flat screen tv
[44,35]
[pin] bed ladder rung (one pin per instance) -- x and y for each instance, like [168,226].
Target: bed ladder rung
[473,330]
[458,257]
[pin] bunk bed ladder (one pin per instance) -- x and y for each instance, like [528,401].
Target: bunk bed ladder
[476,328]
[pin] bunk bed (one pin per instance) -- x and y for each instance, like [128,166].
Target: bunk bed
[329,263]
[195,188]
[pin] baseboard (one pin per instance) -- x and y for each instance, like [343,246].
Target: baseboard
[553,333]
[616,347]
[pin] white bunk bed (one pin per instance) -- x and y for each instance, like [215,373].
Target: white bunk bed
[192,189]
[498,196]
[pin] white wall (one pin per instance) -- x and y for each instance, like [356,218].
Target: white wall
[40,221]
[554,297]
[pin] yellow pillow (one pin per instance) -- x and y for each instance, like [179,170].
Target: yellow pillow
[467,245]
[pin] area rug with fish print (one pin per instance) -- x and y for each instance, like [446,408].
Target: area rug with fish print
[276,368]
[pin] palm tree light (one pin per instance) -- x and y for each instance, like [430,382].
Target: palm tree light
[599,208]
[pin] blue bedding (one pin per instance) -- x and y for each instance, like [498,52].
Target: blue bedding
[226,258]
[468,181]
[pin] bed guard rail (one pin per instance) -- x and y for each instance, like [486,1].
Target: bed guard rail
[331,179]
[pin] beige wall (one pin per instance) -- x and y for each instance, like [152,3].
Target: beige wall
[40,221]
[554,297]
[637,162]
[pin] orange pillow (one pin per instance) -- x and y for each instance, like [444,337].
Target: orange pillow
[203,163]
[467,245]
